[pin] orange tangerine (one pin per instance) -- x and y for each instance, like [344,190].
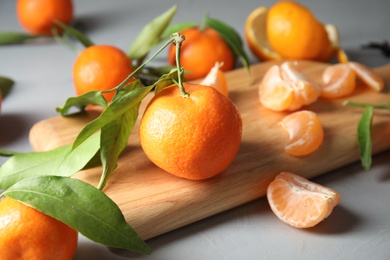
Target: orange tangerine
[367,75]
[285,88]
[216,79]
[300,202]
[289,30]
[338,81]
[305,132]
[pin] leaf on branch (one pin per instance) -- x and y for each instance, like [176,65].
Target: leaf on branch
[150,35]
[61,161]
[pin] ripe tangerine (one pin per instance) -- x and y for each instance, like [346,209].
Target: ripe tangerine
[200,51]
[100,67]
[26,233]
[194,137]
[39,16]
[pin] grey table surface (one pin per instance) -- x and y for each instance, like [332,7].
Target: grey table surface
[359,228]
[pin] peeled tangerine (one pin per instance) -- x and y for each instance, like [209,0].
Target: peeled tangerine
[305,131]
[283,87]
[339,80]
[300,202]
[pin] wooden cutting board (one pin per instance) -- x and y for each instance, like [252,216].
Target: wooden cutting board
[154,202]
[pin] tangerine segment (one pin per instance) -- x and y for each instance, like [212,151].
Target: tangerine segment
[305,131]
[216,79]
[300,202]
[274,92]
[369,77]
[285,88]
[338,81]
[194,137]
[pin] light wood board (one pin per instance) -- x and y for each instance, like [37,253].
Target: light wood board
[154,202]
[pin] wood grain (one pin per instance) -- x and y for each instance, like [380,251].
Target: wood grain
[154,202]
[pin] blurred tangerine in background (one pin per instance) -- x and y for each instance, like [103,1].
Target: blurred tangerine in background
[100,67]
[200,51]
[39,16]
[288,30]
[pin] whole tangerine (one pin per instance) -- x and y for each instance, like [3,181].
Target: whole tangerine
[200,51]
[100,67]
[39,16]
[295,33]
[194,137]
[26,233]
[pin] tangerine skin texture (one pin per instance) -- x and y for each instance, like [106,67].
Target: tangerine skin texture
[100,67]
[26,233]
[200,51]
[193,138]
[37,16]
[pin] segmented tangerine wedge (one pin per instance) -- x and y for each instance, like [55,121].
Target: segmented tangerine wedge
[367,75]
[285,88]
[300,202]
[216,79]
[305,131]
[338,81]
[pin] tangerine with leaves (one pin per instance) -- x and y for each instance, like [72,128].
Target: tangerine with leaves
[39,16]
[26,233]
[193,137]
[101,68]
[202,48]
[300,202]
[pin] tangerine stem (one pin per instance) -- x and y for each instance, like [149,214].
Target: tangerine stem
[178,40]
[123,83]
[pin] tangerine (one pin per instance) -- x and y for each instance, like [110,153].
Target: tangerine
[26,233]
[200,51]
[294,32]
[194,137]
[284,87]
[39,16]
[100,67]
[300,202]
[338,81]
[305,131]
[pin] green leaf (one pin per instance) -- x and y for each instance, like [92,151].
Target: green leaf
[115,135]
[90,98]
[150,35]
[166,80]
[7,153]
[115,109]
[69,31]
[80,206]
[231,37]
[6,85]
[61,161]
[177,27]
[364,137]
[8,38]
